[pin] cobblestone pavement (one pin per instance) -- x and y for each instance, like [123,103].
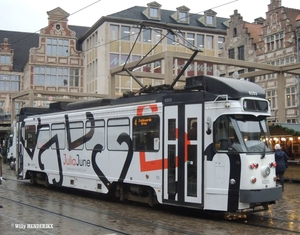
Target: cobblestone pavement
[59,211]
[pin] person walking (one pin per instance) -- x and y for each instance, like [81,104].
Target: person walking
[281,160]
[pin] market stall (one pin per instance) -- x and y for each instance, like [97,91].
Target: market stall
[288,136]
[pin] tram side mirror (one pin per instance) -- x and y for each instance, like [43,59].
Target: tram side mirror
[208,125]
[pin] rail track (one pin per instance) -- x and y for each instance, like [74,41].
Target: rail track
[32,200]
[106,216]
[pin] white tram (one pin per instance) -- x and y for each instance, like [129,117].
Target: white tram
[205,146]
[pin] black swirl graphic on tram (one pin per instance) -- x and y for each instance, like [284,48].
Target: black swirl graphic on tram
[47,145]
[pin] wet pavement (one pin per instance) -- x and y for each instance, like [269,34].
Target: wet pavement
[29,209]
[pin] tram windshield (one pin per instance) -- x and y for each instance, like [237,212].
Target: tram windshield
[242,133]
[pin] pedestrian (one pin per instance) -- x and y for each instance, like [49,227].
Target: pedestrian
[281,160]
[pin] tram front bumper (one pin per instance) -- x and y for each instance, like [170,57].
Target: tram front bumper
[261,195]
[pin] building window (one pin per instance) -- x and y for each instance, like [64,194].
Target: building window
[124,58]
[114,60]
[210,20]
[62,76]
[9,82]
[114,32]
[234,32]
[275,41]
[272,97]
[291,96]
[125,33]
[231,54]
[74,78]
[241,54]
[200,40]
[190,37]
[182,16]
[221,41]
[292,60]
[153,12]
[147,35]
[136,58]
[57,77]
[135,34]
[171,39]
[5,59]
[157,35]
[180,38]
[209,42]
[57,47]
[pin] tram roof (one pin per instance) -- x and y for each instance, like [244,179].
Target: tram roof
[214,86]
[234,88]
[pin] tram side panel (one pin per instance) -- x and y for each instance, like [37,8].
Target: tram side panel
[92,150]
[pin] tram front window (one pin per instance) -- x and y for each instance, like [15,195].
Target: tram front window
[241,133]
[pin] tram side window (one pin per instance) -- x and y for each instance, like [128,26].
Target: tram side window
[221,134]
[192,128]
[172,186]
[58,131]
[43,137]
[30,136]
[146,133]
[94,135]
[172,129]
[224,134]
[115,128]
[76,135]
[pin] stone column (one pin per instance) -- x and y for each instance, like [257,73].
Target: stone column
[281,114]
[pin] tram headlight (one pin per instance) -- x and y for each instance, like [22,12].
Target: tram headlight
[253,180]
[265,171]
[273,164]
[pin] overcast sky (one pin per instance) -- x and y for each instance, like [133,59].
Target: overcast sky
[31,15]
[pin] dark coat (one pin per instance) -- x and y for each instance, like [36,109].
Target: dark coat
[281,160]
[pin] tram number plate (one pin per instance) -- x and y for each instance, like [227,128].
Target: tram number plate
[265,181]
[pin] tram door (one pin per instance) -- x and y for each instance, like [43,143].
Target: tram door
[18,131]
[182,146]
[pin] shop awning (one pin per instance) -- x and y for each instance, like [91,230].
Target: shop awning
[284,129]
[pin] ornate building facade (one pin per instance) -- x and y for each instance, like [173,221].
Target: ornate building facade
[271,41]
